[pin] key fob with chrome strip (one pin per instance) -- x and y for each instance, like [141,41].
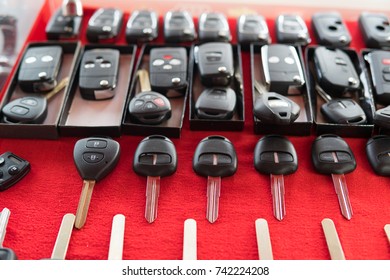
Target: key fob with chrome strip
[380,75]
[104,24]
[291,29]
[213,27]
[142,26]
[179,27]
[63,27]
[252,28]
[375,29]
[330,30]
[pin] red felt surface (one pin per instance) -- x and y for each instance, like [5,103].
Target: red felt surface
[53,187]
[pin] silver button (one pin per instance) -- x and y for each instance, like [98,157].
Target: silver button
[89,65]
[158,62]
[106,28]
[167,67]
[47,58]
[42,75]
[273,59]
[104,83]
[30,59]
[289,60]
[175,80]
[175,61]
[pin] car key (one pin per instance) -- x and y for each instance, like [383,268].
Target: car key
[189,240]
[215,63]
[115,251]
[282,68]
[382,117]
[155,157]
[179,27]
[5,253]
[252,28]
[168,69]
[216,103]
[12,169]
[330,30]
[148,107]
[332,155]
[142,26]
[104,24]
[30,109]
[379,62]
[275,155]
[39,68]
[95,158]
[292,29]
[63,27]
[214,157]
[63,237]
[213,27]
[375,28]
[378,154]
[264,246]
[98,77]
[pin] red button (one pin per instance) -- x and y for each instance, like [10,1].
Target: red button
[386,61]
[159,102]
[167,57]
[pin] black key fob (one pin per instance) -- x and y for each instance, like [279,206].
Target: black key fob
[216,103]
[31,109]
[335,71]
[379,62]
[142,26]
[104,24]
[330,30]
[215,63]
[382,117]
[252,28]
[179,27]
[12,169]
[282,68]
[7,254]
[39,69]
[99,73]
[291,29]
[378,154]
[63,27]
[343,111]
[168,69]
[213,27]
[149,108]
[375,29]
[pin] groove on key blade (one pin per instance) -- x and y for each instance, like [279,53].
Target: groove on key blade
[213,193]
[277,185]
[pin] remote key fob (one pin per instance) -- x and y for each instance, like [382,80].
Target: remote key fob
[378,154]
[104,24]
[142,26]
[63,27]
[291,29]
[252,28]
[39,69]
[330,30]
[382,117]
[168,68]
[29,109]
[216,103]
[99,73]
[380,75]
[179,27]
[12,169]
[375,29]
[343,111]
[214,27]
[282,68]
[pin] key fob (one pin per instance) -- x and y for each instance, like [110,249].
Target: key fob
[179,27]
[330,29]
[382,117]
[39,69]
[378,154]
[213,27]
[63,27]
[7,254]
[379,62]
[252,28]
[142,26]
[215,63]
[343,111]
[335,71]
[12,169]
[168,69]
[216,103]
[332,155]
[282,68]
[99,73]
[104,24]
[30,109]
[149,108]
[291,29]
[375,29]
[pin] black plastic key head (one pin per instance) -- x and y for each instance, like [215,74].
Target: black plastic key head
[155,156]
[30,109]
[275,154]
[215,156]
[7,254]
[332,155]
[378,153]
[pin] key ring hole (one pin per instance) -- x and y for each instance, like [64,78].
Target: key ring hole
[380,27]
[332,28]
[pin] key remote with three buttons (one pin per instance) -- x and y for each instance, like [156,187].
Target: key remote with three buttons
[12,169]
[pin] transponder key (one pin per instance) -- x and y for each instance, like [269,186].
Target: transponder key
[214,157]
[332,155]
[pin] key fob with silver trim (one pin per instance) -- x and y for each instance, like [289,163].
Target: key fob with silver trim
[252,28]
[63,27]
[330,30]
[142,26]
[375,29]
[179,27]
[291,29]
[104,24]
[213,27]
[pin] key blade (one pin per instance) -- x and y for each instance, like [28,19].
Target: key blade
[387,231]
[63,237]
[117,236]
[341,189]
[213,193]
[4,217]
[332,240]
[263,240]
[189,240]
[277,189]
[85,199]
[152,194]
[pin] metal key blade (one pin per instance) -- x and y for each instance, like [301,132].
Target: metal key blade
[189,240]
[340,186]
[263,240]
[117,236]
[85,199]
[4,217]
[213,193]
[387,231]
[63,237]
[277,188]
[152,194]
[332,240]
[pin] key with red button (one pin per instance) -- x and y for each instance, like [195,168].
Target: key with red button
[380,73]
[12,169]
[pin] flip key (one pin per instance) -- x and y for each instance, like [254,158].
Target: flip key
[104,24]
[142,26]
[12,169]
[5,253]
[63,27]
[213,27]
[252,28]
[292,29]
[382,117]
[378,154]
[375,28]
[379,62]
[179,27]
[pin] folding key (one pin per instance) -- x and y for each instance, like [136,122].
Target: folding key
[252,28]
[330,29]
[332,155]
[155,157]
[213,27]
[95,158]
[292,29]
[215,157]
[276,155]
[378,154]
[179,27]
[5,253]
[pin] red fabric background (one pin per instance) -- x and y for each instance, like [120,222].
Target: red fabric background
[53,187]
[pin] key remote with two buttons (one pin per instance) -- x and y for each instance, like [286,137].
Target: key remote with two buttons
[12,169]
[375,28]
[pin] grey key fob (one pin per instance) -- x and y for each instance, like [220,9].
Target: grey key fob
[216,103]
[252,28]
[63,27]
[292,29]
[104,24]
[99,73]
[382,117]
[343,111]
[39,68]
[142,26]
[375,29]
[330,29]
[379,62]
[213,27]
[12,169]
[30,109]
[378,151]
[282,68]
[215,63]
[179,27]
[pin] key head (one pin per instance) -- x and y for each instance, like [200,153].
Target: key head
[216,103]
[155,156]
[142,26]
[7,254]
[332,155]
[179,27]
[95,157]
[292,29]
[252,28]
[382,117]
[343,111]
[104,24]
[29,109]
[213,27]
[215,156]
[378,154]
[275,154]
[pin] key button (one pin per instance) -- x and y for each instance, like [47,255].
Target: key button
[13,170]
[175,61]
[19,110]
[92,157]
[386,69]
[285,157]
[163,159]
[30,102]
[343,157]
[327,157]
[386,77]
[98,144]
